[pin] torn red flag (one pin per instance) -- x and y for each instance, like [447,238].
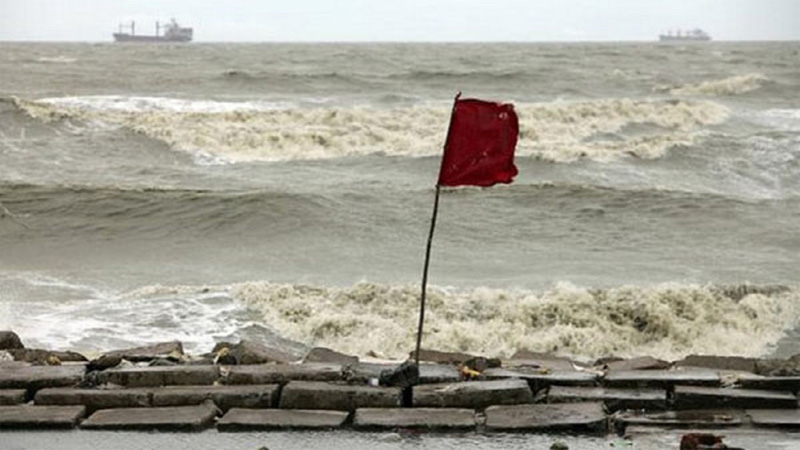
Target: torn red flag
[480,144]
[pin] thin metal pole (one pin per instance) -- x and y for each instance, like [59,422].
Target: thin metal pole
[425,276]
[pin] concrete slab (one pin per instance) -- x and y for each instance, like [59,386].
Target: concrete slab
[567,416]
[225,397]
[428,373]
[321,395]
[682,419]
[640,363]
[472,394]
[265,419]
[283,373]
[661,378]
[10,397]
[540,379]
[147,353]
[734,363]
[326,355]
[39,377]
[417,418]
[783,418]
[613,399]
[47,417]
[788,384]
[94,399]
[696,397]
[168,418]
[160,376]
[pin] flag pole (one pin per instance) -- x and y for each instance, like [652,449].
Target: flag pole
[428,248]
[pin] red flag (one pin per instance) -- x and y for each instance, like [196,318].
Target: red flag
[480,144]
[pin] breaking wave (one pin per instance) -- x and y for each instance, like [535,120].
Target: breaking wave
[667,321]
[735,85]
[260,131]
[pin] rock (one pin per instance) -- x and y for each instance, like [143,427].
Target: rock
[160,376]
[479,363]
[169,418]
[104,362]
[542,378]
[403,376]
[779,367]
[249,352]
[321,395]
[700,441]
[225,397]
[472,394]
[46,417]
[418,418]
[266,419]
[613,399]
[283,373]
[783,418]
[10,341]
[568,416]
[436,356]
[9,397]
[733,363]
[94,399]
[46,357]
[173,349]
[558,445]
[326,355]
[361,373]
[642,363]
[695,397]
[39,377]
[661,378]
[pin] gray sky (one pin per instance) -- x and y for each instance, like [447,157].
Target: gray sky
[403,20]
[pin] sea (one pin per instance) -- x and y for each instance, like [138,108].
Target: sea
[283,193]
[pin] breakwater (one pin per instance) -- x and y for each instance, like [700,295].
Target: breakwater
[247,386]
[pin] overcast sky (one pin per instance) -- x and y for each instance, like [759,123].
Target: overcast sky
[403,20]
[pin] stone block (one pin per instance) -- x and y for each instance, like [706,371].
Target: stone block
[696,397]
[472,394]
[439,357]
[661,378]
[265,419]
[782,418]
[730,363]
[788,384]
[168,418]
[428,373]
[10,397]
[283,373]
[417,418]
[46,417]
[160,376]
[566,416]
[39,377]
[708,418]
[39,356]
[613,399]
[326,355]
[321,395]
[172,349]
[248,352]
[539,379]
[641,363]
[94,399]
[225,397]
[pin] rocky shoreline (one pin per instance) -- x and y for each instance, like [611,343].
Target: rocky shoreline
[247,386]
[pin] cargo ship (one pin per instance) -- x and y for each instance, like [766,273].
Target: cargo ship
[172,33]
[690,35]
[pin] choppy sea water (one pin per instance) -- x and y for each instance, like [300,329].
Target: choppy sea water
[282,192]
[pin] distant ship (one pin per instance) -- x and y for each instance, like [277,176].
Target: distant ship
[690,35]
[172,33]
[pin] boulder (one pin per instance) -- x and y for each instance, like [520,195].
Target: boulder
[779,367]
[104,362]
[403,376]
[248,352]
[45,357]
[9,341]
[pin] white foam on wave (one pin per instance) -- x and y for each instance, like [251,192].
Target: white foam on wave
[667,321]
[735,85]
[249,131]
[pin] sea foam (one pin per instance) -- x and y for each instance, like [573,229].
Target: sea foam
[557,131]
